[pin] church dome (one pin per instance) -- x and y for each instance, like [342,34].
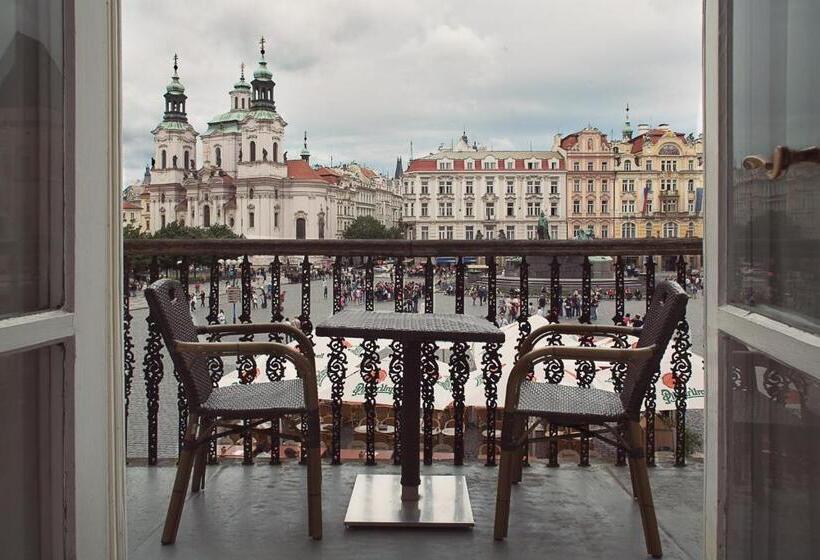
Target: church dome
[263,72]
[175,86]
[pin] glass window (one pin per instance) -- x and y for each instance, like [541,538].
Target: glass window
[32,142]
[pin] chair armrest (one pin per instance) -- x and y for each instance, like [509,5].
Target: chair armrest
[589,330]
[305,344]
[305,367]
[524,364]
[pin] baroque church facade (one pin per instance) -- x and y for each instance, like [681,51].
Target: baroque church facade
[245,180]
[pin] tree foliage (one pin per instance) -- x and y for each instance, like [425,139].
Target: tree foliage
[176,230]
[368,227]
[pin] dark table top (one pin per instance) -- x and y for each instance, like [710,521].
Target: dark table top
[410,327]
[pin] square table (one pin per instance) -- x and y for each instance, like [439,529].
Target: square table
[376,499]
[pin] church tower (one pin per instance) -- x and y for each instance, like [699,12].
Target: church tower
[174,152]
[174,137]
[263,83]
[241,93]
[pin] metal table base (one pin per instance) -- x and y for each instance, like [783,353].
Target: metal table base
[376,502]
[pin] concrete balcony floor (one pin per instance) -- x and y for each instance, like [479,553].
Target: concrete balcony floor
[565,513]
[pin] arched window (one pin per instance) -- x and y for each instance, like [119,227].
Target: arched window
[206,216]
[236,103]
[243,102]
[250,193]
[628,230]
[253,150]
[218,156]
[164,158]
[174,162]
[275,152]
[300,228]
[648,229]
[690,229]
[670,229]
[627,165]
[186,158]
[231,222]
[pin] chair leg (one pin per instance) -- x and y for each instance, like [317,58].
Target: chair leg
[177,502]
[314,480]
[519,427]
[502,500]
[201,458]
[631,466]
[637,465]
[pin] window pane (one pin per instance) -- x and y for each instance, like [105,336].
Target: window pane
[31,485]
[32,149]
[771,425]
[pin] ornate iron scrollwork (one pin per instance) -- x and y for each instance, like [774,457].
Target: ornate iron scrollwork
[275,366]
[307,327]
[182,400]
[129,360]
[491,365]
[370,371]
[429,370]
[153,371]
[650,399]
[585,369]
[397,358]
[459,372]
[554,367]
[336,369]
[681,371]
[246,364]
[215,364]
[619,368]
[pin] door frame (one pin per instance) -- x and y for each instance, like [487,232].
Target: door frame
[791,346]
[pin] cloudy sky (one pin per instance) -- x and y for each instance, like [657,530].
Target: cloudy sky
[367,77]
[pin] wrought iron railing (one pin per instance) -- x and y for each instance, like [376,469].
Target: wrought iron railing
[141,255]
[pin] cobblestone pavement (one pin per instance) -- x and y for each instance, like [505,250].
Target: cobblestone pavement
[320,308]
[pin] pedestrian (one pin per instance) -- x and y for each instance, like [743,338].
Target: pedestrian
[324,287]
[193,304]
[637,322]
[221,317]
[255,301]
[202,298]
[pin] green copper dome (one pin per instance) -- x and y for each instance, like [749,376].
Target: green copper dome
[242,84]
[175,86]
[262,71]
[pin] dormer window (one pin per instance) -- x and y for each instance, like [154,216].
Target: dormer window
[469,165]
[509,164]
[445,165]
[489,164]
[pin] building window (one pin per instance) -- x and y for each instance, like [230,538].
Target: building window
[206,216]
[489,211]
[530,232]
[423,209]
[627,165]
[590,185]
[590,166]
[164,159]
[509,164]
[490,186]
[250,219]
[218,156]
[510,186]
[445,187]
[669,205]
[445,209]
[301,227]
[670,229]
[603,166]
[604,207]
[468,187]
[554,209]
[253,151]
[590,206]
[533,209]
[186,159]
[510,209]
[690,229]
[628,230]
[576,186]
[628,185]
[576,166]
[444,165]
[470,165]
[669,165]
[510,232]
[553,186]
[425,233]
[553,164]
[604,185]
[628,206]
[649,165]
[604,231]
[469,234]
[489,165]
[468,210]
[690,185]
[424,188]
[441,232]
[576,206]
[553,232]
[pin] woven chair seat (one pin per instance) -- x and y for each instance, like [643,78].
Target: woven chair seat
[256,400]
[569,405]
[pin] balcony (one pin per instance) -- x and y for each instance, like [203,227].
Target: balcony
[254,500]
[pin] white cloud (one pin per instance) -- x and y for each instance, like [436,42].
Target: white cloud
[365,77]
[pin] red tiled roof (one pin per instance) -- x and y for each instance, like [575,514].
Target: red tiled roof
[567,142]
[421,165]
[329,175]
[299,169]
[369,173]
[128,205]
[653,134]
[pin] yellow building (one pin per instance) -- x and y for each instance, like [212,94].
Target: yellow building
[658,184]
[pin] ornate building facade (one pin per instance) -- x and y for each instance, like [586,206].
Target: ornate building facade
[245,180]
[470,192]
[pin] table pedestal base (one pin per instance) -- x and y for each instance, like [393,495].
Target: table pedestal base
[376,502]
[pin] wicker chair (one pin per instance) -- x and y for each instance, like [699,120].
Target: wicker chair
[210,406]
[615,416]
